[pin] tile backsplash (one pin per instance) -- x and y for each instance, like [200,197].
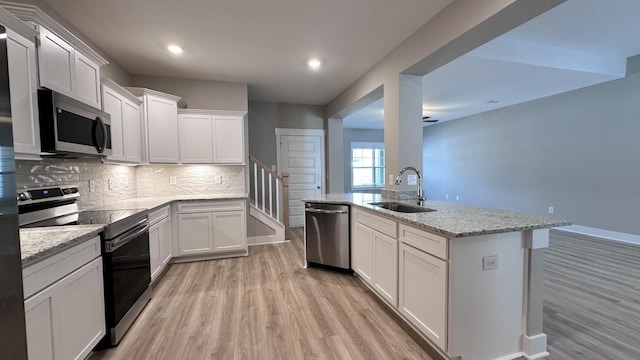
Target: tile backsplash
[117,182]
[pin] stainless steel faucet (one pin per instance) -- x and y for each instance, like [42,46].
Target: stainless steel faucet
[421,197]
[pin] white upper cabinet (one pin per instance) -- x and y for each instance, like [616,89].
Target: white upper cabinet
[67,70]
[196,137]
[57,63]
[211,137]
[228,139]
[124,109]
[23,84]
[159,126]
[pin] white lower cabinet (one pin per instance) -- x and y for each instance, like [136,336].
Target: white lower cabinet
[375,254]
[423,292]
[65,319]
[159,241]
[212,227]
[363,252]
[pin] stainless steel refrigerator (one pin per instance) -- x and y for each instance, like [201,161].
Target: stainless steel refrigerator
[13,339]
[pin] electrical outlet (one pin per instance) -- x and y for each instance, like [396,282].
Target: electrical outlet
[112,184]
[412,179]
[489,262]
[126,182]
[219,179]
[173,180]
[391,179]
[273,168]
[551,210]
[446,196]
[92,185]
[457,197]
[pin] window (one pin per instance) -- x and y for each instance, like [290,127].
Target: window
[367,165]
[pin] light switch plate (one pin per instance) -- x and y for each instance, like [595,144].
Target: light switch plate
[218,179]
[412,179]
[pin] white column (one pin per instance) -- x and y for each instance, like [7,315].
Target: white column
[402,126]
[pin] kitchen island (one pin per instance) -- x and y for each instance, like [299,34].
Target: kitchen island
[468,280]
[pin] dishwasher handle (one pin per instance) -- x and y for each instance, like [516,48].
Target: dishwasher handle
[321,211]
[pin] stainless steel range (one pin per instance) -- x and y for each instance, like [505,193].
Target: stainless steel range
[125,249]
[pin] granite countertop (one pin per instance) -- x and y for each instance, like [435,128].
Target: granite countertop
[449,219]
[37,244]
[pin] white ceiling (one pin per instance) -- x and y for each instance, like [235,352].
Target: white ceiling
[576,44]
[263,43]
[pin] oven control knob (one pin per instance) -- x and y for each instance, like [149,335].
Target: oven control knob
[24,196]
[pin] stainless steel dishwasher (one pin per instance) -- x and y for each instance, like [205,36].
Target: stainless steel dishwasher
[327,235]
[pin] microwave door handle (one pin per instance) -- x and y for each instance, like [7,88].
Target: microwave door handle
[101,148]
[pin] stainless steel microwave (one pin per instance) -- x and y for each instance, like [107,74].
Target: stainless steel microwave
[71,128]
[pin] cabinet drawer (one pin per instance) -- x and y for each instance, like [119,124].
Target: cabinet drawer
[158,215]
[430,243]
[378,223]
[44,273]
[209,206]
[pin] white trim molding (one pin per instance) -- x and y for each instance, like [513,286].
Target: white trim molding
[534,347]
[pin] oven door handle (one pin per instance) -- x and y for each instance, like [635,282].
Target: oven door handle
[113,245]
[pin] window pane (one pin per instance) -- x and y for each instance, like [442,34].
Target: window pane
[362,177]
[379,177]
[367,161]
[357,153]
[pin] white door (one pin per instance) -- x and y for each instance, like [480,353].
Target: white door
[301,157]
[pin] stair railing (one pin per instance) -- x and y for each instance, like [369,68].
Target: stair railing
[270,193]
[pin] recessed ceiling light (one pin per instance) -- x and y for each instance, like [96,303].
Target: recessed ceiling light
[175,49]
[314,63]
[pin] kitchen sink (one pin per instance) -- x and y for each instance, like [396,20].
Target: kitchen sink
[400,207]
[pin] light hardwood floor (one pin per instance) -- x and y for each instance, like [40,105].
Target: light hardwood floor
[592,299]
[265,306]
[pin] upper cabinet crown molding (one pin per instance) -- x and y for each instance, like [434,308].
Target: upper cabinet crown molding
[32,13]
[138,91]
[212,112]
[121,90]
[18,26]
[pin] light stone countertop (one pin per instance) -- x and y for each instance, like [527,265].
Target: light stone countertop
[449,219]
[37,244]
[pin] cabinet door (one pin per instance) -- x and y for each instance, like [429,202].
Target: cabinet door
[23,84]
[154,251]
[113,105]
[423,292]
[196,137]
[229,231]
[228,140]
[165,242]
[195,233]
[82,319]
[57,63]
[41,318]
[363,252]
[162,123]
[87,76]
[385,262]
[131,131]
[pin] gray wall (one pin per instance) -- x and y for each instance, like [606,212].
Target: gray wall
[578,151]
[356,135]
[265,117]
[199,94]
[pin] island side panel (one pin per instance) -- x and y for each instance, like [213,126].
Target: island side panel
[486,307]
[534,341]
